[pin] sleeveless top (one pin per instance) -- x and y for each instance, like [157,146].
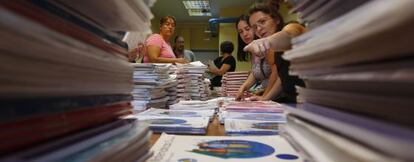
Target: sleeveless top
[261,71]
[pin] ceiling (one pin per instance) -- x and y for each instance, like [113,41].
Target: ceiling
[176,8]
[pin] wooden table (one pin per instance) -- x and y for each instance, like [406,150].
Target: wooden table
[213,129]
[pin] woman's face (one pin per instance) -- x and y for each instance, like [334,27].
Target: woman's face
[167,28]
[245,32]
[262,24]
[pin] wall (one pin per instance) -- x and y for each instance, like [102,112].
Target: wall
[228,32]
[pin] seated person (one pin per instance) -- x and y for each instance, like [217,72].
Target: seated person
[225,63]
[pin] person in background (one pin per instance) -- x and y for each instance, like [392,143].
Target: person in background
[179,50]
[223,64]
[136,55]
[158,48]
[260,68]
[270,46]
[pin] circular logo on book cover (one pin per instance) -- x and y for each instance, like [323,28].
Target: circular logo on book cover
[233,149]
[166,121]
[287,156]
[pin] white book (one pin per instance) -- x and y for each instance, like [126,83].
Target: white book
[219,148]
[251,127]
[177,113]
[177,125]
[274,117]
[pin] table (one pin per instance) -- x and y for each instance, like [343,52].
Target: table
[213,129]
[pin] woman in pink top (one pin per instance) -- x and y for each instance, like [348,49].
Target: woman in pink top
[158,50]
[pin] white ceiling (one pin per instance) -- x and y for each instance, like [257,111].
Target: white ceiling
[176,8]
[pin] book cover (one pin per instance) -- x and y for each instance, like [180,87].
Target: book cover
[219,148]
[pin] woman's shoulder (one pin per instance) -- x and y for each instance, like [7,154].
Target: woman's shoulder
[154,39]
[154,36]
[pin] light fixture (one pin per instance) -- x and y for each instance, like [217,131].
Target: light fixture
[200,4]
[199,12]
[197,8]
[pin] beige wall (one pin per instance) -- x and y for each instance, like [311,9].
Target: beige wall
[228,32]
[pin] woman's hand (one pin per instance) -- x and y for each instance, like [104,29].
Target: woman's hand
[256,98]
[181,61]
[239,95]
[259,47]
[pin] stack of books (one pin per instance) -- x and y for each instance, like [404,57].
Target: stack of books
[232,81]
[151,82]
[358,70]
[252,117]
[64,71]
[191,84]
[176,121]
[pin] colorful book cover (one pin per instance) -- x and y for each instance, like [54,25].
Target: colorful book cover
[221,148]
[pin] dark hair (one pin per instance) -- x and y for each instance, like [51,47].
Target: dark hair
[226,47]
[165,18]
[241,55]
[270,10]
[176,37]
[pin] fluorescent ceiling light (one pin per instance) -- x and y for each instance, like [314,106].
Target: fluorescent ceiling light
[199,12]
[201,4]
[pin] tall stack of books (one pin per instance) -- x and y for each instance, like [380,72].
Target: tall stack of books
[191,84]
[232,81]
[358,69]
[64,70]
[153,86]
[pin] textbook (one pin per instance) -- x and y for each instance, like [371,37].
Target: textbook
[176,125]
[223,148]
[177,113]
[238,127]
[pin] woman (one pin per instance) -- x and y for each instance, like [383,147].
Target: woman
[223,64]
[158,50]
[260,68]
[266,23]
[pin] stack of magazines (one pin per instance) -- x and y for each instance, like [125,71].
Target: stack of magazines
[232,81]
[358,69]
[252,117]
[64,70]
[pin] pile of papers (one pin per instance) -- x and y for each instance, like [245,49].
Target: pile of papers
[232,81]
